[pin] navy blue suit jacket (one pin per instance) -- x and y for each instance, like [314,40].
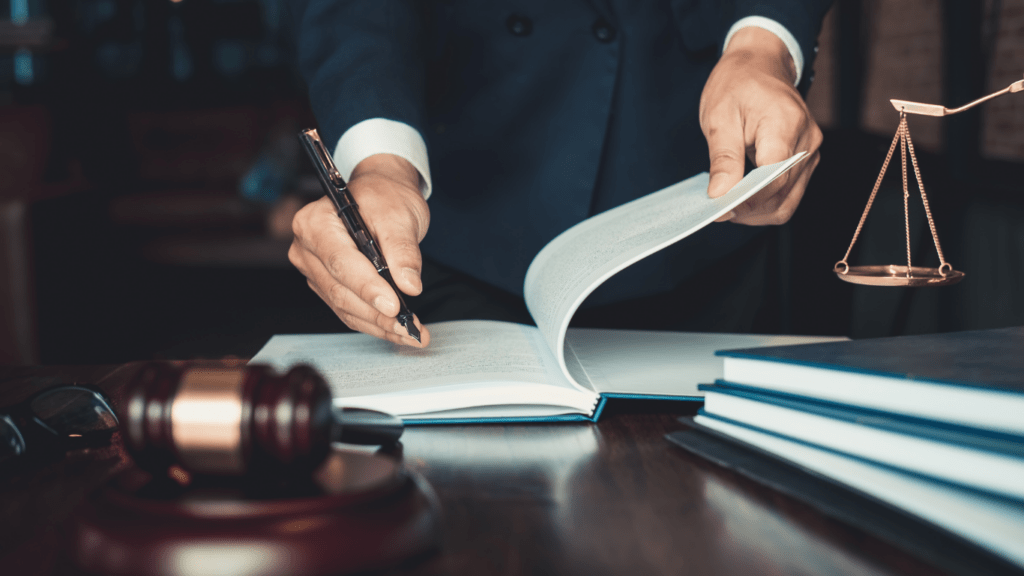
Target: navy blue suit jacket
[536,113]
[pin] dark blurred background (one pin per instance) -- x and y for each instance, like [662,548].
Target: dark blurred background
[149,168]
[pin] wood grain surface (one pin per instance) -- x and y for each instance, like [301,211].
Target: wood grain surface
[607,498]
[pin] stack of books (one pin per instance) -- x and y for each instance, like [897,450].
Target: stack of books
[931,424]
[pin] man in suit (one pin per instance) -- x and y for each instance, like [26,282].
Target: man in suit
[537,114]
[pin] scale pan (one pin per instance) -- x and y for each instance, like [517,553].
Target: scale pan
[893,275]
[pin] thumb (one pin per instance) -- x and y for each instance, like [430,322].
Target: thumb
[727,151]
[399,242]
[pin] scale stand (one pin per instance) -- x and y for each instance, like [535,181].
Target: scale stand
[909,275]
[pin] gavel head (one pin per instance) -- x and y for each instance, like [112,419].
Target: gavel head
[227,421]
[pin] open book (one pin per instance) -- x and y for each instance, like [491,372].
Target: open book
[476,370]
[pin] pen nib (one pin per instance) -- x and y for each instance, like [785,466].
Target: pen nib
[410,326]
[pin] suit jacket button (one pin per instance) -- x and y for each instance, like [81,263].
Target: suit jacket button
[519,25]
[603,31]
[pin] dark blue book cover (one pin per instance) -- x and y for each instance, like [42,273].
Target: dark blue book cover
[939,431]
[991,359]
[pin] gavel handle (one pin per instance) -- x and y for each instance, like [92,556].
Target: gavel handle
[362,426]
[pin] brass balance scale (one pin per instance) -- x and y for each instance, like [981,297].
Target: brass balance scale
[909,275]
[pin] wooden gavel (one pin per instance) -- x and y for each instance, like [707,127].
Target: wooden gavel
[255,437]
[240,421]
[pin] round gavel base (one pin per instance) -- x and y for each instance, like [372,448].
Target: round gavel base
[362,512]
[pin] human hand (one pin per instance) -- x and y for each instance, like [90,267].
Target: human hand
[386,188]
[749,107]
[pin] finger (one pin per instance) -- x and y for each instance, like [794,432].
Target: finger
[345,279]
[771,148]
[398,222]
[726,149]
[380,326]
[727,216]
[398,334]
[776,140]
[779,208]
[345,302]
[345,265]
[401,250]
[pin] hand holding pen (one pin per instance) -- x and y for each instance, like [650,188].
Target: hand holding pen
[359,246]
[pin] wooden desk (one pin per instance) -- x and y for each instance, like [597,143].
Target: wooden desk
[611,498]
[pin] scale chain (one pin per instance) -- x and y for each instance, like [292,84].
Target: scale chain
[906,191]
[927,210]
[902,137]
[871,200]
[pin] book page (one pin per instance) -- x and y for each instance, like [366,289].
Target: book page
[470,352]
[576,262]
[653,363]
[993,523]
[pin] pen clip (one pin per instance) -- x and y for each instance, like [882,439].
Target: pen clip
[321,159]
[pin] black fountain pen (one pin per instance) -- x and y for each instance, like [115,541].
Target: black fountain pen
[337,191]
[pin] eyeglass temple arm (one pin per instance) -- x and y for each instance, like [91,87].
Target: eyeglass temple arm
[936,110]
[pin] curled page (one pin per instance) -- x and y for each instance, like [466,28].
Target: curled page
[576,262]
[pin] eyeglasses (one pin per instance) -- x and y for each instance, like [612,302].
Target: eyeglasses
[53,421]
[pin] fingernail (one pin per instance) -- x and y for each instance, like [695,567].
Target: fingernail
[382,305]
[727,216]
[413,277]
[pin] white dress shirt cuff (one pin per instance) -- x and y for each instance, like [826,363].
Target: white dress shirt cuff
[383,136]
[775,28]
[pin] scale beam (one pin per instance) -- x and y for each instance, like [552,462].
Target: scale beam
[935,110]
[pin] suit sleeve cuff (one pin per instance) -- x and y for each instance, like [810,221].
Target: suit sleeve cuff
[775,28]
[383,136]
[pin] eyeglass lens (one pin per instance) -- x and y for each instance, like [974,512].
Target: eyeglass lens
[12,444]
[73,411]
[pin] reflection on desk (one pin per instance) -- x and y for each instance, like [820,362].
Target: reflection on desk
[609,498]
[615,498]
